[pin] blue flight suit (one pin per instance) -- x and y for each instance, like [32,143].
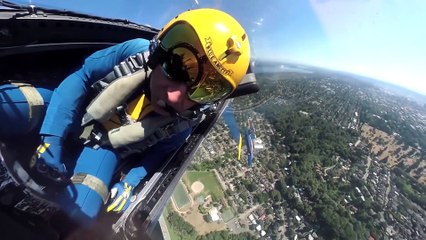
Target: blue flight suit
[17,117]
[66,108]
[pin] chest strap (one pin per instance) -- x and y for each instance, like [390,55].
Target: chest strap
[177,126]
[139,136]
[137,131]
[115,88]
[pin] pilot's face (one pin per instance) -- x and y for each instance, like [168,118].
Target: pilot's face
[167,91]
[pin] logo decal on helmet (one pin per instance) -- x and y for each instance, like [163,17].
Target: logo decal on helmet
[215,61]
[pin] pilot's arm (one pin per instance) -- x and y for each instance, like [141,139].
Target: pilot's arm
[153,159]
[69,98]
[68,101]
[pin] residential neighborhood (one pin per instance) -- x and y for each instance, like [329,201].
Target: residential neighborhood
[339,159]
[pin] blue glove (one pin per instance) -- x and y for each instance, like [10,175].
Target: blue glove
[48,159]
[122,192]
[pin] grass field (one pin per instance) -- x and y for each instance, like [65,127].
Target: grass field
[180,196]
[209,180]
[227,214]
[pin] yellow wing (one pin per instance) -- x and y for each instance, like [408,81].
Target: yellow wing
[239,147]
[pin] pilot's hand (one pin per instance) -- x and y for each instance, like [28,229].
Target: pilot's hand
[121,194]
[48,160]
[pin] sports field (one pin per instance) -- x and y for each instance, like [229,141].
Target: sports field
[180,196]
[208,179]
[227,214]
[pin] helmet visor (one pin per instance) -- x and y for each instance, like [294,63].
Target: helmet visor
[210,88]
[185,62]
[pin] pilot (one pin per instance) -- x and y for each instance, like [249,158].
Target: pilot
[138,97]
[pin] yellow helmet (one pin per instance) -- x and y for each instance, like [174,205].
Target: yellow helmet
[208,49]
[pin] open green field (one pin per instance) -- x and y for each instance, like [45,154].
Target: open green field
[209,180]
[181,196]
[227,214]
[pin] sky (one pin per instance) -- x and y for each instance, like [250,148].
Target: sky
[382,39]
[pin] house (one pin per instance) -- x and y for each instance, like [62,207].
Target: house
[214,214]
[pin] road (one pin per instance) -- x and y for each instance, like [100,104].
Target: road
[164,229]
[219,178]
[233,224]
[388,189]
[328,168]
[367,171]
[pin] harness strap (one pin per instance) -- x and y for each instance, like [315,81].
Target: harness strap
[135,132]
[115,88]
[131,65]
[138,136]
[93,183]
[160,133]
[133,136]
[34,100]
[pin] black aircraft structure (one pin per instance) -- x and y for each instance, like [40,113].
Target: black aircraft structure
[42,46]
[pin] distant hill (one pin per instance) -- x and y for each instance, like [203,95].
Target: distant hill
[413,96]
[277,66]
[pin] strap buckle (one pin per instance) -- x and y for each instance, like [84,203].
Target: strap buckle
[130,65]
[166,131]
[94,139]
[137,62]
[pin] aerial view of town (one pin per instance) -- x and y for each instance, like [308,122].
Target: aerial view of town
[324,155]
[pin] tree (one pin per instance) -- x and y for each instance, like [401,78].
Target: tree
[251,187]
[275,195]
[225,235]
[202,209]
[240,209]
[261,197]
[207,218]
[180,226]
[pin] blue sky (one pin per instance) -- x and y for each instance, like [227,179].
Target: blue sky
[384,39]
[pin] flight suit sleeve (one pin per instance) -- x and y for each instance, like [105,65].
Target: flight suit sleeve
[68,101]
[155,157]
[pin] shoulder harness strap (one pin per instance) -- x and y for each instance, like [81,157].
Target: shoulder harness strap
[139,136]
[113,90]
[130,65]
[176,126]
